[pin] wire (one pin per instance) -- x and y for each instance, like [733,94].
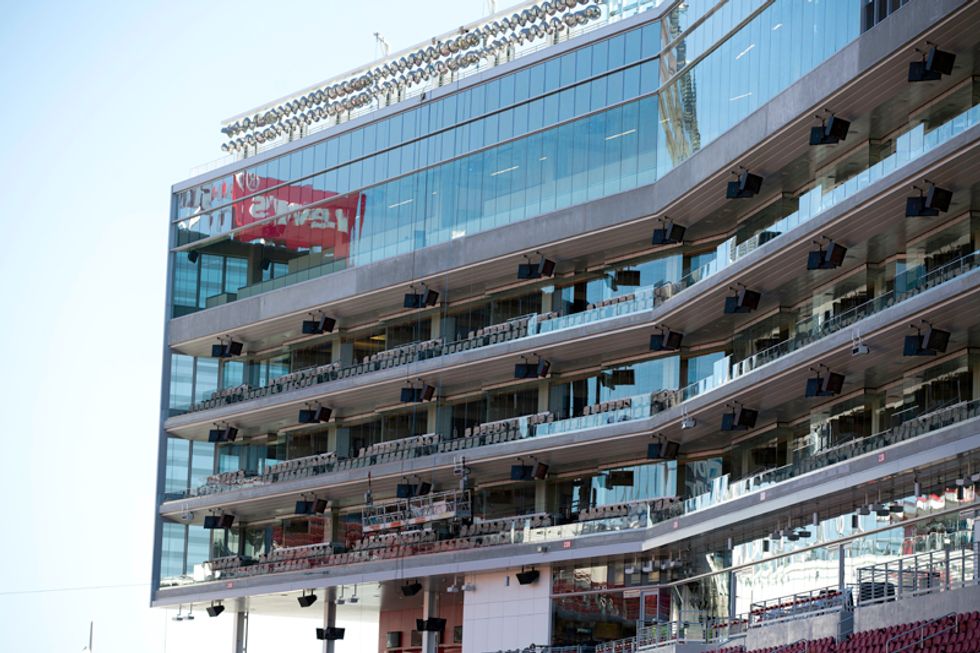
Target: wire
[73,589]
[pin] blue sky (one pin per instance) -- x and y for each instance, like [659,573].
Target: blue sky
[105,105]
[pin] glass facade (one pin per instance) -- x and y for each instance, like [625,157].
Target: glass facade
[602,119]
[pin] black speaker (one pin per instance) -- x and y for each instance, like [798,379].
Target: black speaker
[330,633]
[306,600]
[215,610]
[667,450]
[231,433]
[226,521]
[427,392]
[412,301]
[524,370]
[918,72]
[521,472]
[528,577]
[667,341]
[745,418]
[940,61]
[747,186]
[527,271]
[192,256]
[235,348]
[304,507]
[935,340]
[837,128]
[938,199]
[744,301]
[393,639]
[322,414]
[748,299]
[266,264]
[410,395]
[913,347]
[430,298]
[669,234]
[320,506]
[915,207]
[431,625]
[813,387]
[322,325]
[216,435]
[423,488]
[411,589]
[543,368]
[217,351]
[835,254]
[540,472]
[546,267]
[404,491]
[307,416]
[211,522]
[815,260]
[833,384]
[627,277]
[739,419]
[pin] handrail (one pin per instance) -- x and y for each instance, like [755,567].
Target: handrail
[922,638]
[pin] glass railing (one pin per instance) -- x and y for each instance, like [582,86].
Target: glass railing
[641,406]
[624,410]
[725,488]
[389,358]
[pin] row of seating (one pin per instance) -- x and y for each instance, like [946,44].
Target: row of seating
[510,424]
[797,605]
[403,354]
[625,509]
[611,301]
[950,634]
[388,540]
[400,446]
[606,406]
[505,524]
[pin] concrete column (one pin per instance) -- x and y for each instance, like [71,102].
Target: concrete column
[732,596]
[329,616]
[431,418]
[436,329]
[342,441]
[239,633]
[343,352]
[430,608]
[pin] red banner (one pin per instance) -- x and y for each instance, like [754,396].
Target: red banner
[322,223]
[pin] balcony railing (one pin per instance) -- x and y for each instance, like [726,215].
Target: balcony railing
[951,571]
[640,406]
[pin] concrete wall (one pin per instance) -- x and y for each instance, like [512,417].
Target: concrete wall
[825,625]
[503,614]
[909,610]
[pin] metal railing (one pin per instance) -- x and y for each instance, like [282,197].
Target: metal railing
[893,643]
[796,606]
[917,574]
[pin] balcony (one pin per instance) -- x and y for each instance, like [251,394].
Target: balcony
[384,542]
[315,471]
